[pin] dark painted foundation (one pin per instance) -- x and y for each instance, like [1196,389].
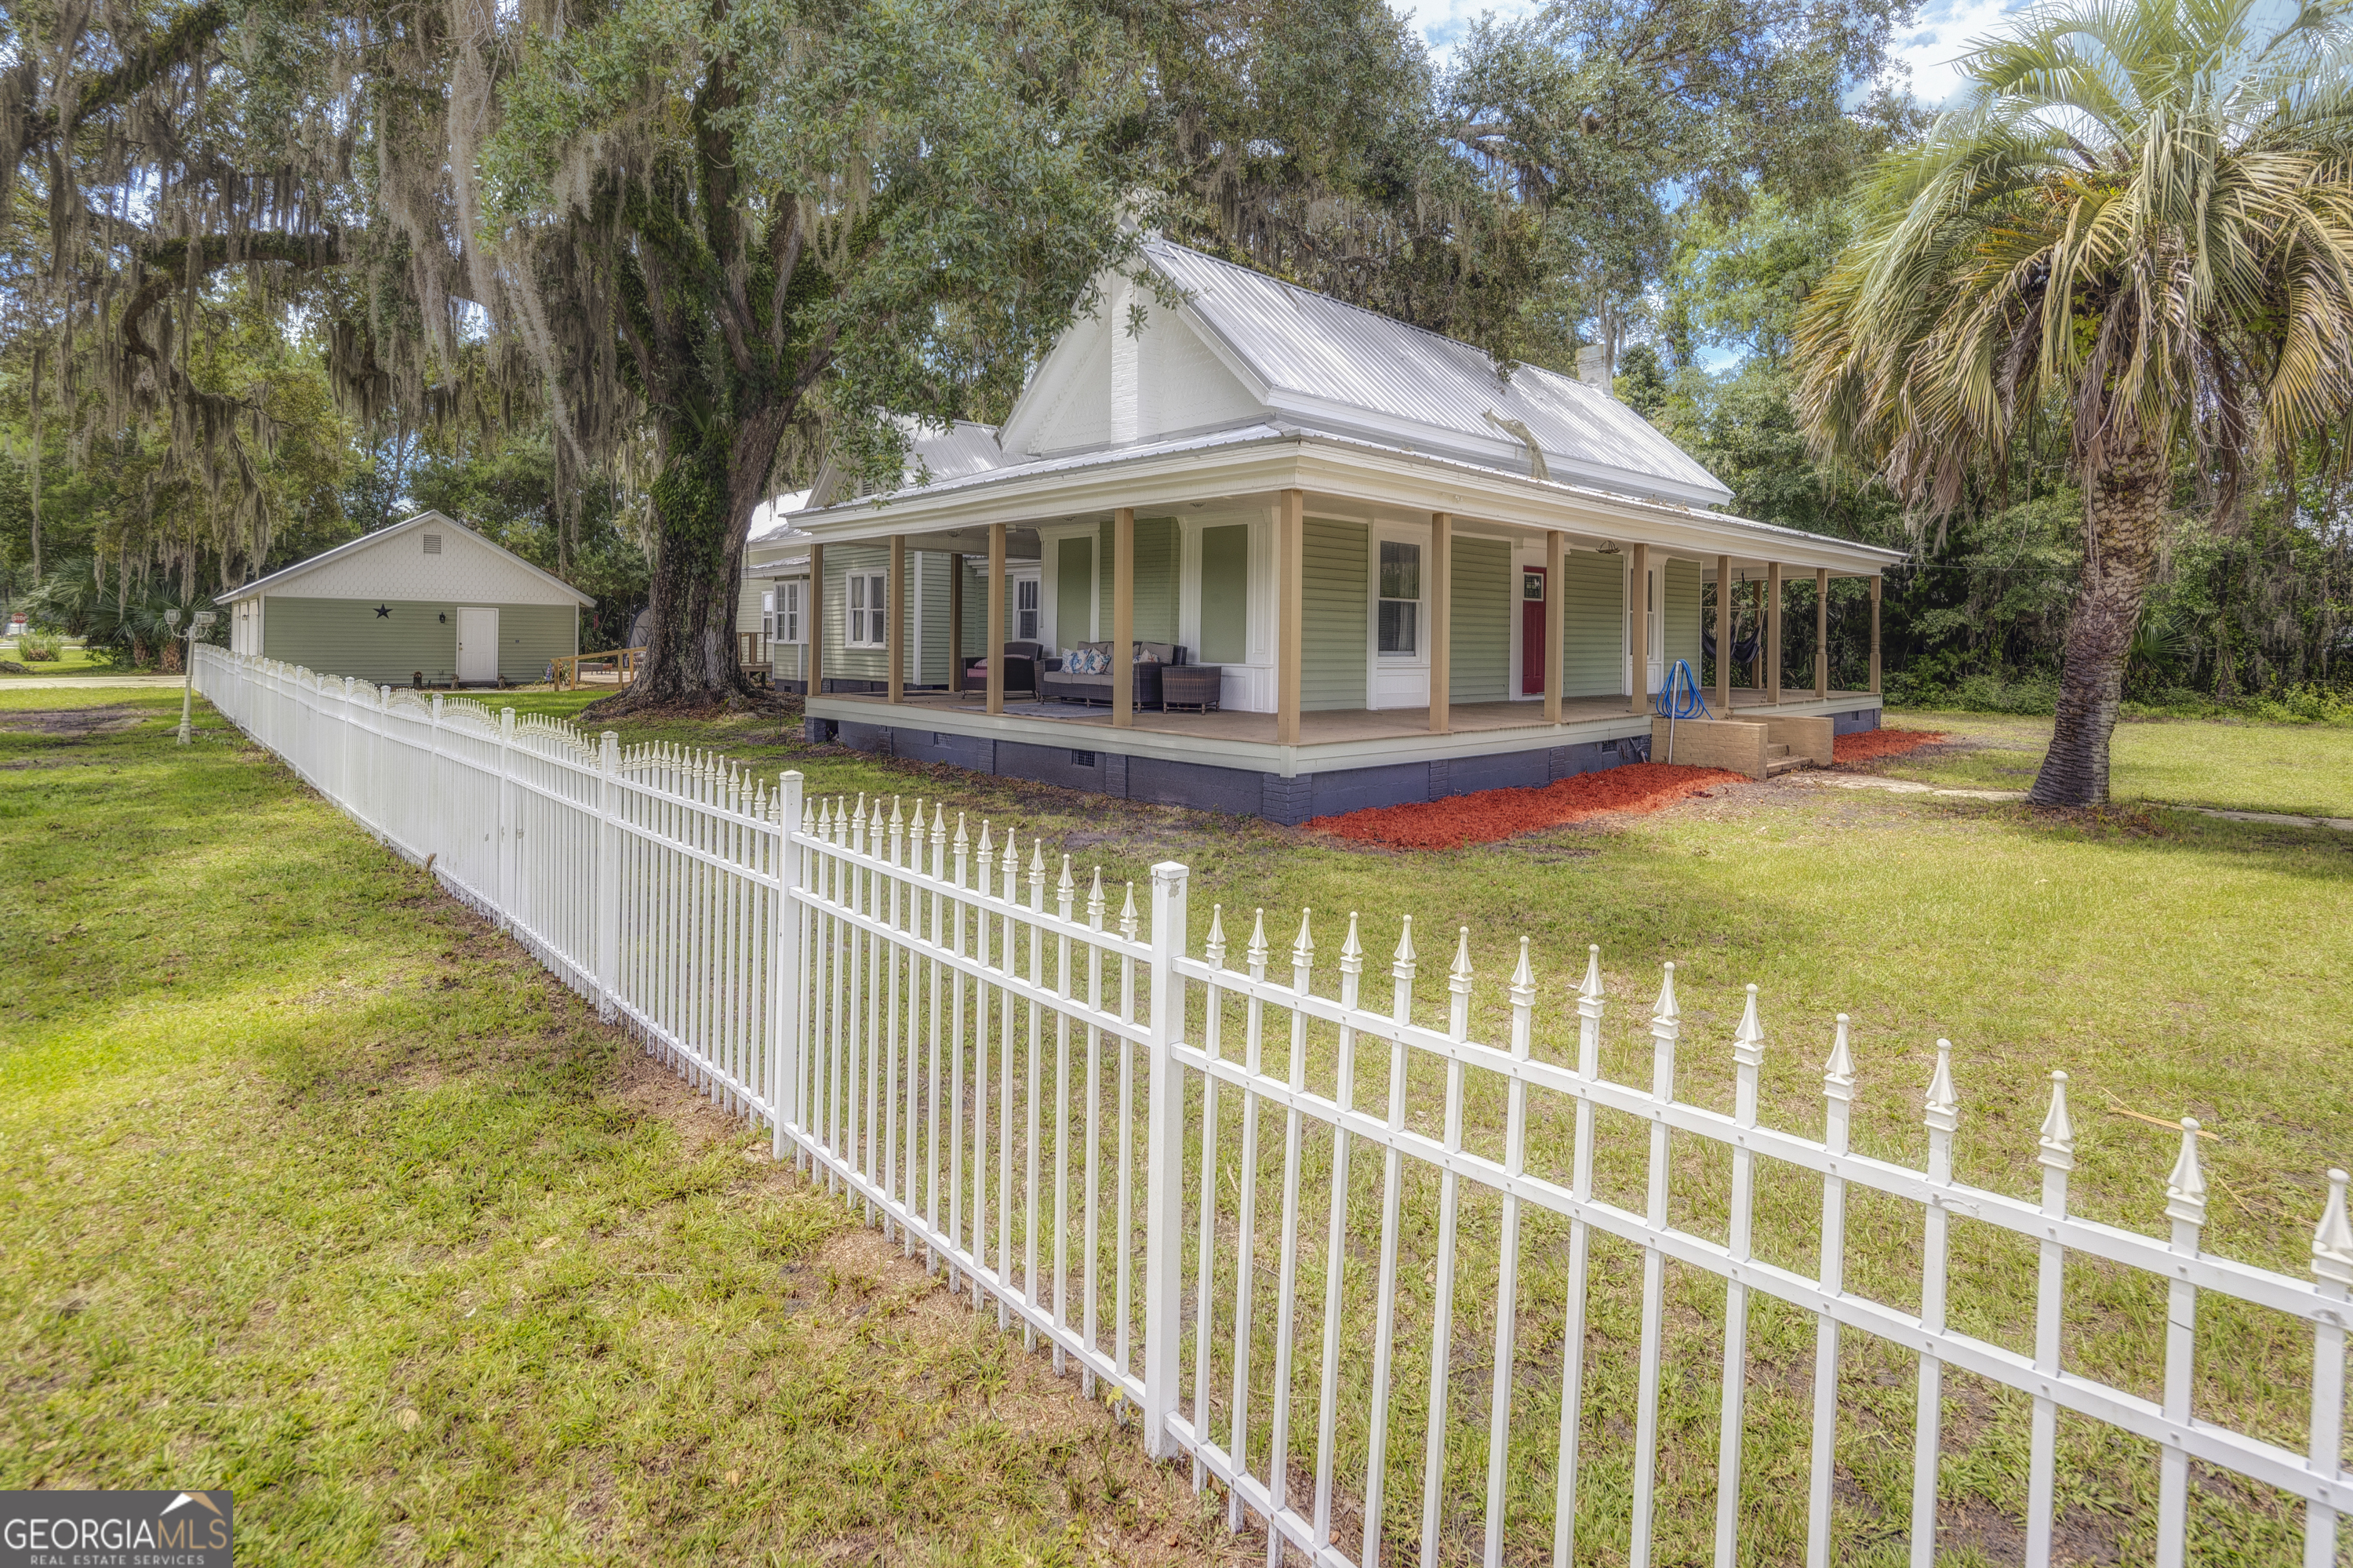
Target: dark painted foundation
[1205,787]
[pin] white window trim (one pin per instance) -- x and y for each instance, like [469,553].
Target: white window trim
[869,619]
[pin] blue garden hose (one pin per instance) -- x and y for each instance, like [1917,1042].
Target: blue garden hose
[1680,697]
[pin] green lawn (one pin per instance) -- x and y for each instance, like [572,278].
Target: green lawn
[72,659]
[2305,769]
[313,1187]
[382,1115]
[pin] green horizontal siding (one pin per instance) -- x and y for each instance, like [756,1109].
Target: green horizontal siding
[927,664]
[1332,664]
[1074,593]
[843,662]
[1593,635]
[347,637]
[1155,578]
[1680,626]
[1225,594]
[1481,603]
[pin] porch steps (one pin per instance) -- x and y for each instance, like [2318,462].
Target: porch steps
[1778,760]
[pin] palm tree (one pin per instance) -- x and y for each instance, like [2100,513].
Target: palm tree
[2139,227]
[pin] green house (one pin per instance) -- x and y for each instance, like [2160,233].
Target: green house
[425,600]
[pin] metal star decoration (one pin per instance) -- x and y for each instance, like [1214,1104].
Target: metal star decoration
[383,612]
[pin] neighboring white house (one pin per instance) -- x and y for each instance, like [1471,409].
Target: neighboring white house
[1410,572]
[425,600]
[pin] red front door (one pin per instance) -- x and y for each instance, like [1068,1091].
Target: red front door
[1531,631]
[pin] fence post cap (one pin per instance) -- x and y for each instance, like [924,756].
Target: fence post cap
[1664,1010]
[2058,1128]
[1256,952]
[1838,1073]
[1748,1040]
[2185,1188]
[1944,1102]
[1402,962]
[1214,949]
[1523,979]
[2332,1241]
[1591,988]
[1302,947]
[1352,951]
[1457,974]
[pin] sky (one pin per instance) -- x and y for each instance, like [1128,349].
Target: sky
[1941,33]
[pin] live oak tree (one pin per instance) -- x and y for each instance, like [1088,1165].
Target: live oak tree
[2141,228]
[691,236]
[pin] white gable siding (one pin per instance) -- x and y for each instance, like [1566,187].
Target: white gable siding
[1077,417]
[467,571]
[1186,387]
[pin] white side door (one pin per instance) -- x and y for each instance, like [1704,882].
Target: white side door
[478,646]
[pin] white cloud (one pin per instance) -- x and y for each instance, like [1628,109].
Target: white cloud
[1443,22]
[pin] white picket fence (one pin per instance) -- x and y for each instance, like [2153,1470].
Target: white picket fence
[1090,1128]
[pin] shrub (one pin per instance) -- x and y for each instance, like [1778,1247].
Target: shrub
[38,648]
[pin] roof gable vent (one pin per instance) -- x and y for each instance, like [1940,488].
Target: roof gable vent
[432,544]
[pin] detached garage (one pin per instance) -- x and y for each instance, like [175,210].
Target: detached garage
[428,599]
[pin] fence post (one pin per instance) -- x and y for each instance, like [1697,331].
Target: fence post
[1164,1162]
[785,972]
[609,874]
[506,821]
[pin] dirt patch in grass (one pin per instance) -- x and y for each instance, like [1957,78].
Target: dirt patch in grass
[74,724]
[1865,746]
[1493,814]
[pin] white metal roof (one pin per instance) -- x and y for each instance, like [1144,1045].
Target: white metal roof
[1324,362]
[456,574]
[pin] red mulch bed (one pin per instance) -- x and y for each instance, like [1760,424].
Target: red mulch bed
[1493,814]
[1865,745]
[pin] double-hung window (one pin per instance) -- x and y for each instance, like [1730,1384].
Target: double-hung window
[1024,611]
[1400,584]
[866,609]
[788,612]
[769,616]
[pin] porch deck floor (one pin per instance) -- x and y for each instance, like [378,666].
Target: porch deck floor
[1334,726]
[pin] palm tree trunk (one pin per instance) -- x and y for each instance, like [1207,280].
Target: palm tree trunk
[2126,514]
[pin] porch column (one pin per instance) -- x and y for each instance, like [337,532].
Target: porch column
[1874,634]
[814,667]
[1554,630]
[1821,632]
[993,638]
[894,625]
[1290,612]
[955,624]
[1441,577]
[1757,660]
[1723,636]
[1638,603]
[1122,618]
[1773,633]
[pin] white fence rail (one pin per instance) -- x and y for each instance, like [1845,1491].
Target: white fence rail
[1279,1222]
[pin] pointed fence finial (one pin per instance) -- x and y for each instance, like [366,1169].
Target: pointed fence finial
[2185,1190]
[1302,947]
[1037,859]
[1010,866]
[1096,901]
[1458,976]
[1128,923]
[988,845]
[1066,888]
[1838,1073]
[940,831]
[1664,1007]
[1943,1104]
[1402,962]
[1255,954]
[896,820]
[1214,949]
[1523,978]
[2058,1128]
[1591,989]
[2332,1243]
[1352,951]
[1748,1040]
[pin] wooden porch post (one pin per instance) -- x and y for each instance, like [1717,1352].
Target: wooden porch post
[993,636]
[1555,629]
[1773,633]
[955,624]
[1637,604]
[1821,632]
[1874,633]
[814,668]
[1441,621]
[894,625]
[1723,636]
[1122,618]
[1757,660]
[1290,612]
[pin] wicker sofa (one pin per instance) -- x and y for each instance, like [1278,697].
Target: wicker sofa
[1096,689]
[1022,660]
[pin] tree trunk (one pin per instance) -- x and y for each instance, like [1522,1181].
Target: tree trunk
[2126,511]
[697,571]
